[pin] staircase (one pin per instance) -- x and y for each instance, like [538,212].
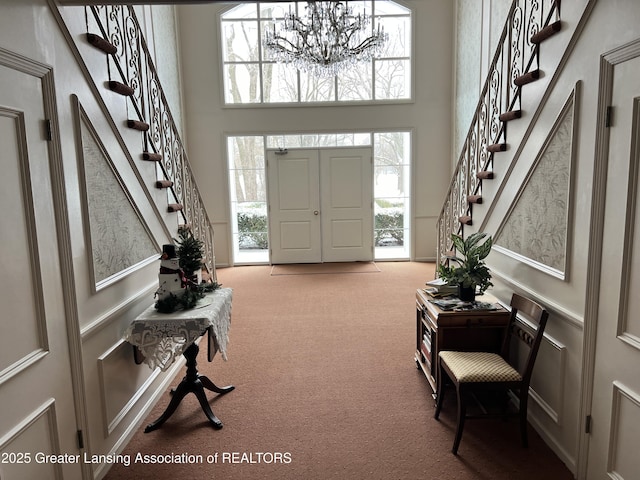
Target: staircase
[515,65]
[114,33]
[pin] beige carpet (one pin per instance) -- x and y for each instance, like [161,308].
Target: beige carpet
[327,389]
[324,268]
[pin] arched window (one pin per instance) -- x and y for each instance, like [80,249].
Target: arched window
[250,77]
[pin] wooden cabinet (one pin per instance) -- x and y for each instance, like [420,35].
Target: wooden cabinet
[438,329]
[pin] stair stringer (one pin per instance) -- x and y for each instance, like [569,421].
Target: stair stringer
[116,109]
[526,132]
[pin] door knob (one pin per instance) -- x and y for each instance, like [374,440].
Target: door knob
[316,212]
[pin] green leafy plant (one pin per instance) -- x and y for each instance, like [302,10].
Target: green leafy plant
[188,299]
[470,270]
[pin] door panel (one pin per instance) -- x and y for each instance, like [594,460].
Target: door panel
[347,204]
[36,391]
[294,222]
[616,386]
[320,205]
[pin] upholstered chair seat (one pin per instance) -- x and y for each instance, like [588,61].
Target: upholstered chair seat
[470,367]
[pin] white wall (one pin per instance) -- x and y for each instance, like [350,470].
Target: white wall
[478,26]
[428,117]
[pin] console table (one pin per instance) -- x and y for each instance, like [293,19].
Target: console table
[159,338]
[456,329]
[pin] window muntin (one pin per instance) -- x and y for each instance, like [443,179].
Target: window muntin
[251,77]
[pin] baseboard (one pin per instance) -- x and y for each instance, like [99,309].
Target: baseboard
[563,455]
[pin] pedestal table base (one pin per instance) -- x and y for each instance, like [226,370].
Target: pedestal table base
[194,383]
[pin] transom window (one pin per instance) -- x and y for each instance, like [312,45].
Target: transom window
[251,77]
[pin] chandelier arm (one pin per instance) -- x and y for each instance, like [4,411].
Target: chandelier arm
[326,40]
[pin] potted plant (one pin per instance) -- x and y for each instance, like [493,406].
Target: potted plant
[470,273]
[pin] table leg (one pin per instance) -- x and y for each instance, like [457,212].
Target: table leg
[194,383]
[209,385]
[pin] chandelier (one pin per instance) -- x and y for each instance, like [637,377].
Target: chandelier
[325,41]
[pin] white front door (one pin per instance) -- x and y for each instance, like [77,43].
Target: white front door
[38,416]
[294,206]
[320,205]
[615,426]
[346,179]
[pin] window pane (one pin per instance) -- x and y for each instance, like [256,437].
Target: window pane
[389,222]
[242,83]
[392,79]
[246,153]
[252,225]
[355,83]
[283,141]
[308,141]
[316,89]
[386,7]
[240,41]
[276,9]
[389,181]
[353,139]
[392,148]
[249,185]
[247,10]
[280,83]
[399,31]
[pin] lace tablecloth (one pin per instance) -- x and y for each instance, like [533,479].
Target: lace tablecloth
[163,337]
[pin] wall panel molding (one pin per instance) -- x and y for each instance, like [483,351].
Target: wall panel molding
[30,341]
[624,427]
[37,433]
[114,380]
[559,311]
[548,380]
[118,238]
[537,227]
[117,311]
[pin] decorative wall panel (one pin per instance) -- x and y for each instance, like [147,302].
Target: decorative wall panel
[537,225]
[120,385]
[623,462]
[23,330]
[35,436]
[119,237]
[628,328]
[549,378]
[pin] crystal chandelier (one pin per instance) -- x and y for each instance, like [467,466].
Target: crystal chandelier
[325,41]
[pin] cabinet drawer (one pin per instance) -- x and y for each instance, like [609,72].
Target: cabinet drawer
[472,320]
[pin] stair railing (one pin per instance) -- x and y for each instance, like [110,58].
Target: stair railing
[134,66]
[514,64]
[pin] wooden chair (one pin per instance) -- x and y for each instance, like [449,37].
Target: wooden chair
[476,373]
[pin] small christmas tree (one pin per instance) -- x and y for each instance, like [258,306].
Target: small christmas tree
[187,260]
[190,252]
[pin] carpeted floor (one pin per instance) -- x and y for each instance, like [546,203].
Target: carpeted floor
[327,388]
